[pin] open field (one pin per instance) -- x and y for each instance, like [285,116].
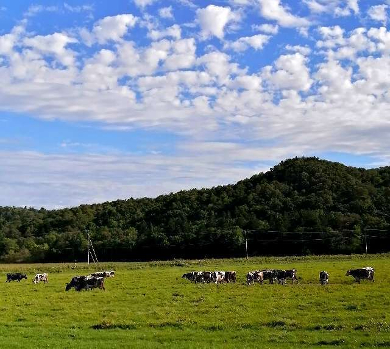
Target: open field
[148,305]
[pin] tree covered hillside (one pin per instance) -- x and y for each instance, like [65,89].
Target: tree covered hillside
[302,205]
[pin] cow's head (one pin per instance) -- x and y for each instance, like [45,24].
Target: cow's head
[348,273]
[24,276]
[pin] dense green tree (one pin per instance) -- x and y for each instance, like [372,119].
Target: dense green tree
[302,205]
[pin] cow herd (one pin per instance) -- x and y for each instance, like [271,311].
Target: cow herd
[211,276]
[87,282]
[279,276]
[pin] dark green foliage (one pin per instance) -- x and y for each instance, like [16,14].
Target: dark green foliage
[301,206]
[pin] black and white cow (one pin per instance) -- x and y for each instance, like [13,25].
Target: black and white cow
[192,276]
[230,276]
[104,274]
[291,274]
[110,273]
[207,276]
[90,283]
[324,277]
[218,277]
[85,283]
[40,277]
[15,277]
[254,276]
[361,274]
[270,274]
[74,283]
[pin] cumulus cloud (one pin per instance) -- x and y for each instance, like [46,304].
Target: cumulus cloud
[338,8]
[173,32]
[54,44]
[242,44]
[330,96]
[274,10]
[213,20]
[166,12]
[266,28]
[143,3]
[291,73]
[111,28]
[378,13]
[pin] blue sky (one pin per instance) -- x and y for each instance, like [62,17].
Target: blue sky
[106,100]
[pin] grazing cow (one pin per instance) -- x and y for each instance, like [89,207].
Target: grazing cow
[270,275]
[292,274]
[280,276]
[199,277]
[207,276]
[104,274]
[90,283]
[254,276]
[230,276]
[15,277]
[218,277]
[362,273]
[85,283]
[324,277]
[110,274]
[76,280]
[190,276]
[186,276]
[40,277]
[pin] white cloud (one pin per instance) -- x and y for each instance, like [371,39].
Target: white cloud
[78,9]
[109,28]
[266,28]
[352,6]
[183,55]
[143,3]
[338,8]
[173,32]
[242,44]
[317,6]
[291,73]
[274,10]
[304,50]
[382,37]
[378,13]
[166,12]
[337,101]
[213,20]
[55,181]
[54,44]
[8,41]
[35,9]
[241,2]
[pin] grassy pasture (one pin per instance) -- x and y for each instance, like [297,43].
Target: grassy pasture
[148,305]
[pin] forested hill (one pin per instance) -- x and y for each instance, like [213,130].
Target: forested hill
[302,205]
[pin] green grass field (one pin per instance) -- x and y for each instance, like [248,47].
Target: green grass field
[149,305]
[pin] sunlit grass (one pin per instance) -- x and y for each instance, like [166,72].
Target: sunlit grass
[150,305]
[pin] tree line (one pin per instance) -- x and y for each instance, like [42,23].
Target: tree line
[300,206]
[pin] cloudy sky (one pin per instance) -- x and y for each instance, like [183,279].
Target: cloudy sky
[101,100]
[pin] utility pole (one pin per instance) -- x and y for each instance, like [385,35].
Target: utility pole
[246,244]
[88,245]
[365,240]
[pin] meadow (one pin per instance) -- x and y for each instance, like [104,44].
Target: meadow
[149,305]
